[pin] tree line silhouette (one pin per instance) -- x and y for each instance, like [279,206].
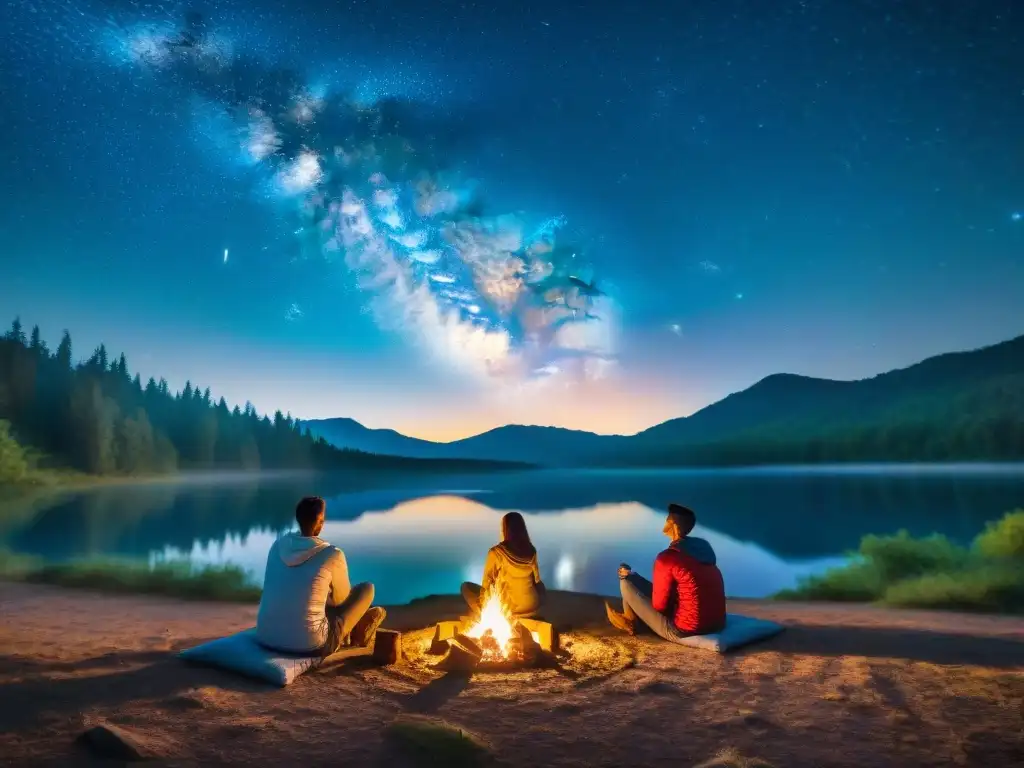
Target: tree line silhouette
[96,417]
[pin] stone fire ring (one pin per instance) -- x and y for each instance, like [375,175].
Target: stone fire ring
[462,653]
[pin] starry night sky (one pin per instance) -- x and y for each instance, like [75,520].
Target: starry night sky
[828,187]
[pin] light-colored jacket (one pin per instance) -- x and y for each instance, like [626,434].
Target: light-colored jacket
[304,574]
[518,578]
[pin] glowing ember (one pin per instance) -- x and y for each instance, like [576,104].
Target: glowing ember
[493,630]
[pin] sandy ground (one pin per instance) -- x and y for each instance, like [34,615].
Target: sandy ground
[842,686]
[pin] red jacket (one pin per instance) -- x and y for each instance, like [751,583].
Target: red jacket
[690,592]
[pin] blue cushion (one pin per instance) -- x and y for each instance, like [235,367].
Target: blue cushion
[739,631]
[242,654]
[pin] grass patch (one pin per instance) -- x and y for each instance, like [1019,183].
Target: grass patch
[430,742]
[227,583]
[930,572]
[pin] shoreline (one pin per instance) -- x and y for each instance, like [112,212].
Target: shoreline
[842,686]
[230,586]
[967,623]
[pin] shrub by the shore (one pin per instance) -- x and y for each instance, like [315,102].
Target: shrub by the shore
[930,572]
[227,583]
[16,462]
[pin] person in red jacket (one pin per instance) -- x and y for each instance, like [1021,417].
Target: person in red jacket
[687,596]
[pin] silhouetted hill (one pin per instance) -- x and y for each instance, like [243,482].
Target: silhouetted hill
[349,433]
[964,405]
[957,406]
[509,443]
[548,445]
[781,397]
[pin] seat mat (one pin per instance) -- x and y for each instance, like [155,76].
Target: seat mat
[240,653]
[739,631]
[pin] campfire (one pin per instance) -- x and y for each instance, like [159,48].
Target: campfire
[494,640]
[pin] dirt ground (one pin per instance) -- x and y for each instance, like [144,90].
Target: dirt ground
[843,686]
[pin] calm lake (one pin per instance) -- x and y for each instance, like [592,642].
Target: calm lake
[415,536]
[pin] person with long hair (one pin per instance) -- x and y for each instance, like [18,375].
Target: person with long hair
[511,570]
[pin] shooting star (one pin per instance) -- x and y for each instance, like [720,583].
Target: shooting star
[225,255]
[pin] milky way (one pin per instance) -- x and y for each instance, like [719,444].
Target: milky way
[375,187]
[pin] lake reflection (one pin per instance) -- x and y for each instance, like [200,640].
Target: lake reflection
[430,545]
[419,535]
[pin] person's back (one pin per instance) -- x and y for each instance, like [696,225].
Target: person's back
[308,605]
[303,574]
[698,548]
[518,577]
[689,586]
[687,594]
[511,567]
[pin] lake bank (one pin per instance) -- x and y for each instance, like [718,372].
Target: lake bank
[844,685]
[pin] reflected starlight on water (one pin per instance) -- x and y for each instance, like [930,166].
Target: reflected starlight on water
[564,570]
[429,545]
[413,537]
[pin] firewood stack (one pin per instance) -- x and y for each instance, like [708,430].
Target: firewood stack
[466,654]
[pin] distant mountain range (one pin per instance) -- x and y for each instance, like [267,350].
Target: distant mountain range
[957,406]
[509,441]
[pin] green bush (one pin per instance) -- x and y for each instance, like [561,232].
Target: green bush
[902,556]
[930,572]
[1003,538]
[991,588]
[15,466]
[858,582]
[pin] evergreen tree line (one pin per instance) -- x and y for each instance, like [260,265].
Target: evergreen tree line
[96,417]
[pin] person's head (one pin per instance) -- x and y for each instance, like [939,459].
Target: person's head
[680,521]
[309,514]
[515,536]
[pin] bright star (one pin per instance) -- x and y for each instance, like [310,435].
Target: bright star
[739,295]
[1016,216]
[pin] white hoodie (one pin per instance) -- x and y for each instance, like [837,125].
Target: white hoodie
[304,574]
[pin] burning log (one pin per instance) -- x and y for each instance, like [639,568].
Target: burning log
[463,655]
[493,639]
[543,633]
[468,643]
[438,645]
[490,645]
[528,648]
[443,632]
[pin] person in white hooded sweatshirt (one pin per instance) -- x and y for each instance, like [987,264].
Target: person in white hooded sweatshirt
[308,605]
